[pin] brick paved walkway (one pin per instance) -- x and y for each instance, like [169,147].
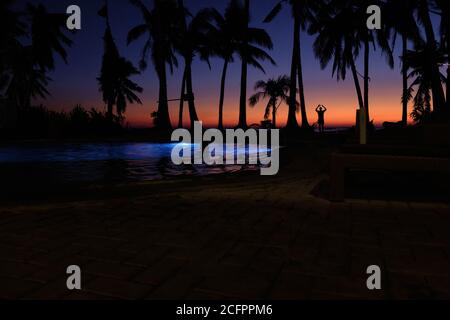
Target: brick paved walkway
[270,240]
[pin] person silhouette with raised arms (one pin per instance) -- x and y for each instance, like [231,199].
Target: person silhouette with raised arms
[321,117]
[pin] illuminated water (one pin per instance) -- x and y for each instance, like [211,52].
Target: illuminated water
[100,162]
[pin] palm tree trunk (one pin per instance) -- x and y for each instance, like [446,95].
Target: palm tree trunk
[222,92]
[366,77]
[243,97]
[190,93]
[305,123]
[357,85]
[244,71]
[405,82]
[292,118]
[437,90]
[163,120]
[274,114]
[183,90]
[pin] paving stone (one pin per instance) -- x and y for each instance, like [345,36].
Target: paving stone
[267,241]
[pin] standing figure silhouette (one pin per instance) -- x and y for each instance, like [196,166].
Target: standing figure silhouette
[321,117]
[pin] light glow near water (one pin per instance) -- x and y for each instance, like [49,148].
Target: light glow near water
[104,152]
[112,162]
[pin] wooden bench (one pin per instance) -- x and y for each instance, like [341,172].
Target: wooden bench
[396,159]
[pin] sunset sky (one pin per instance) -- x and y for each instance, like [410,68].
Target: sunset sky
[75,83]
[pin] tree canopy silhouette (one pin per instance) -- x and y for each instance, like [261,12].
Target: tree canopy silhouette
[277,90]
[118,90]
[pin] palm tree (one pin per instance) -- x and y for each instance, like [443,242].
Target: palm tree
[422,79]
[159,23]
[28,81]
[11,29]
[399,15]
[336,41]
[444,7]
[370,38]
[437,89]
[342,31]
[250,45]
[277,90]
[190,42]
[223,32]
[47,36]
[29,64]
[303,14]
[118,90]
[245,40]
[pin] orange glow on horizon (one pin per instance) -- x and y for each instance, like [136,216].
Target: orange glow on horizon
[341,112]
[385,105]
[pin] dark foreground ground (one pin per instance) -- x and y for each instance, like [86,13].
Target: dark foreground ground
[237,237]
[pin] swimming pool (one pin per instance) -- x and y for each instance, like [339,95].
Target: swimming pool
[101,162]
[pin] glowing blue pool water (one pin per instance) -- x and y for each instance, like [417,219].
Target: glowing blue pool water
[111,161]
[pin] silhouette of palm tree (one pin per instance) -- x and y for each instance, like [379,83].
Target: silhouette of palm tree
[277,90]
[422,77]
[303,14]
[223,32]
[27,65]
[425,20]
[399,15]
[28,81]
[159,23]
[342,28]
[250,45]
[444,8]
[244,41]
[191,41]
[11,29]
[226,37]
[47,35]
[118,90]
[337,41]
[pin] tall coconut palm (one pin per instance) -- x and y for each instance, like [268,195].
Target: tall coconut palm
[23,68]
[277,90]
[47,35]
[245,40]
[303,14]
[444,8]
[30,63]
[336,41]
[118,90]
[375,38]
[250,45]
[28,81]
[190,42]
[399,15]
[11,29]
[425,20]
[342,31]
[222,32]
[160,25]
[422,79]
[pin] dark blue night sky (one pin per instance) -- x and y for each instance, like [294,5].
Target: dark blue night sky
[75,83]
